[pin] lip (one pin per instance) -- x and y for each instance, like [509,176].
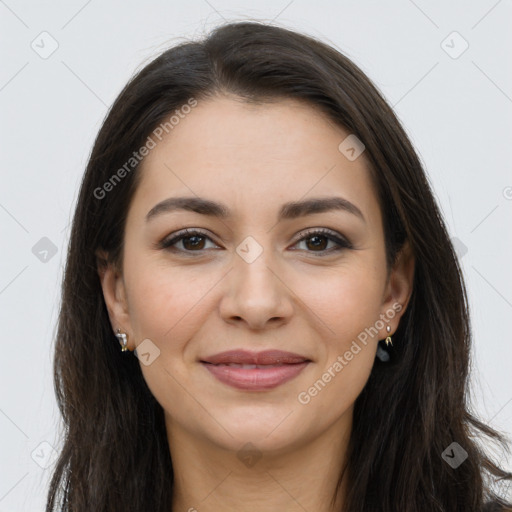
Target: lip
[269,368]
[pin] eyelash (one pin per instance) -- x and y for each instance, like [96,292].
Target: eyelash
[342,242]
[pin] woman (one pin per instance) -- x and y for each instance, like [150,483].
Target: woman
[257,234]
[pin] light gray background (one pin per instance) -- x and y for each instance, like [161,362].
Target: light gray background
[457,112]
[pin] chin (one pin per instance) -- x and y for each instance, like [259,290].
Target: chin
[268,428]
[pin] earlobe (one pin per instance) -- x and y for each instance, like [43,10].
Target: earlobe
[114,292]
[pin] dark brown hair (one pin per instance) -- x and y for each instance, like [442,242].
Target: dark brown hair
[115,455]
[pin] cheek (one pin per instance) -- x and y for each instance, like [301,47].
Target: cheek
[347,303]
[164,301]
[165,305]
[346,299]
[348,308]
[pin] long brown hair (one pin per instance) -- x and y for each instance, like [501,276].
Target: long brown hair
[115,455]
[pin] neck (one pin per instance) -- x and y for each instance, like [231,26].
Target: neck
[209,477]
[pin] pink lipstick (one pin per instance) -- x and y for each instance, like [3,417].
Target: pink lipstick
[255,371]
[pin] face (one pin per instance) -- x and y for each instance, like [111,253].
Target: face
[262,277]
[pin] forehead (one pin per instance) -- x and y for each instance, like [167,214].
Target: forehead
[252,156]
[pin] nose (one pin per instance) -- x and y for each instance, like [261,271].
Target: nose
[256,294]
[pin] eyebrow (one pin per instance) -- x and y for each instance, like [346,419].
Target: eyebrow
[291,210]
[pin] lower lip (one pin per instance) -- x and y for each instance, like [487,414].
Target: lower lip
[256,379]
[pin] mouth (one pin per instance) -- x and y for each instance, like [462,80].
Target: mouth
[251,371]
[246,357]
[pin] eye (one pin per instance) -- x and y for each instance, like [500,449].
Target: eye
[192,241]
[318,240]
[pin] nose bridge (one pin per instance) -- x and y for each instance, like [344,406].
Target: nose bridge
[255,292]
[254,266]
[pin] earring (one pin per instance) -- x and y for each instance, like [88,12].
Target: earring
[123,338]
[388,339]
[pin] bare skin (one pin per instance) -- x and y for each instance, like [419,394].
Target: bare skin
[298,295]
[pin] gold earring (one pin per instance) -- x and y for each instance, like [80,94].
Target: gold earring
[388,339]
[123,338]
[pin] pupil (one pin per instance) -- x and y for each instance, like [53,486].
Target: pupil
[318,244]
[196,241]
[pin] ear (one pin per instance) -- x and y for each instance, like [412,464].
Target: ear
[399,287]
[114,293]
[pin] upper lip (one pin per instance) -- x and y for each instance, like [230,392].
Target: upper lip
[259,358]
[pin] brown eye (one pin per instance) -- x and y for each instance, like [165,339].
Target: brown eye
[191,241]
[318,241]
